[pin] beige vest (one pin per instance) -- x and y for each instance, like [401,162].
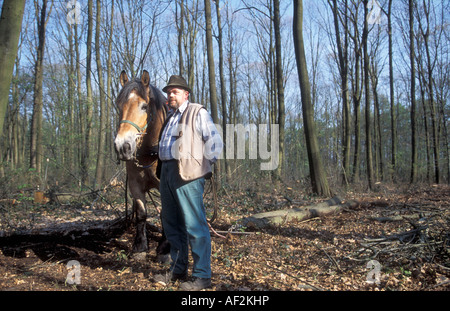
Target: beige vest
[191,161]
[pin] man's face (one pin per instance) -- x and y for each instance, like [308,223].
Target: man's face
[176,97]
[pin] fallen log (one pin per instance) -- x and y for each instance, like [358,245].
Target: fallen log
[67,229]
[276,218]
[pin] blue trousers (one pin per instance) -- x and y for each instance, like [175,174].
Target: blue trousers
[184,221]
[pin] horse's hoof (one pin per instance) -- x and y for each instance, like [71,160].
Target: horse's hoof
[139,248]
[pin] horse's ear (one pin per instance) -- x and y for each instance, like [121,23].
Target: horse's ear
[145,78]
[123,78]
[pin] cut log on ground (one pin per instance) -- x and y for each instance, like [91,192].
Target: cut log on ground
[70,229]
[76,229]
[276,218]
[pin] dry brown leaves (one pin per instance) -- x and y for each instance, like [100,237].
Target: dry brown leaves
[330,253]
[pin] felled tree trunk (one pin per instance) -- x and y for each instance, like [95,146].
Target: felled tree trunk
[275,218]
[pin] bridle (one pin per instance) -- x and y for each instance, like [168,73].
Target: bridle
[139,139]
[141,130]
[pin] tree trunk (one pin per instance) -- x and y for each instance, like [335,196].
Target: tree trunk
[356,99]
[317,172]
[211,65]
[369,158]
[89,103]
[10,26]
[424,115]
[231,115]
[428,81]
[342,49]
[211,71]
[223,91]
[80,132]
[392,96]
[15,118]
[280,85]
[36,122]
[101,138]
[377,125]
[180,29]
[109,100]
[280,217]
[413,177]
[192,30]
[68,146]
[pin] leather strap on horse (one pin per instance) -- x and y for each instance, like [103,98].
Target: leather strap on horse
[141,130]
[126,200]
[214,192]
[214,216]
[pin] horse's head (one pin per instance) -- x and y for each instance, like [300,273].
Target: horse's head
[133,104]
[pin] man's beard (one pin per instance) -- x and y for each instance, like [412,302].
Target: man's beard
[173,104]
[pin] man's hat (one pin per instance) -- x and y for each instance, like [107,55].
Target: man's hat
[178,82]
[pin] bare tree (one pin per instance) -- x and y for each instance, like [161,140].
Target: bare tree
[318,177]
[223,91]
[101,138]
[180,29]
[392,93]
[425,31]
[85,152]
[211,70]
[414,163]
[342,53]
[365,36]
[279,83]
[10,26]
[36,147]
[356,87]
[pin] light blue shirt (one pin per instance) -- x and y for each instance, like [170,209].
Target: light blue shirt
[204,124]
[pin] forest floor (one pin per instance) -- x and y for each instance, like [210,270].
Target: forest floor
[393,240]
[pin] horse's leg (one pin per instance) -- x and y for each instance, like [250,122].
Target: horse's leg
[140,241]
[136,184]
[163,248]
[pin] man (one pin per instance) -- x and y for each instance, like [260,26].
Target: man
[189,145]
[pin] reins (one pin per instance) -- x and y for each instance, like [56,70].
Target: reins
[214,216]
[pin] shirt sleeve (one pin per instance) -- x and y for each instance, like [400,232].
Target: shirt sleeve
[211,136]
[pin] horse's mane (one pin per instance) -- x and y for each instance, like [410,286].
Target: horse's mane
[136,85]
[158,98]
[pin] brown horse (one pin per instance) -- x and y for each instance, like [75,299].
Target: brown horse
[143,110]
